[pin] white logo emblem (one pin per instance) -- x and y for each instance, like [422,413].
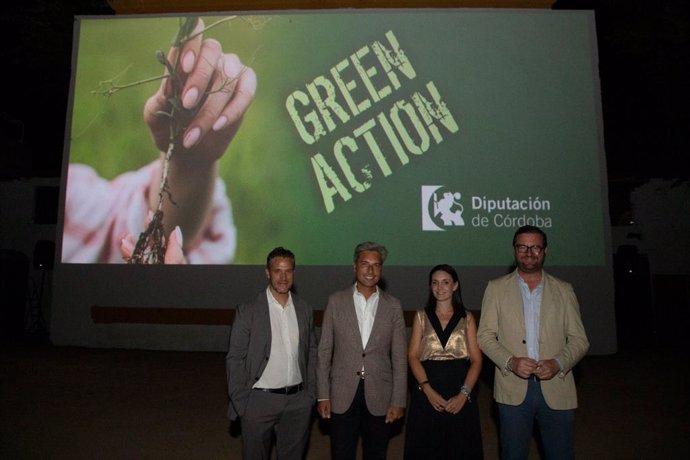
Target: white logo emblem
[441,208]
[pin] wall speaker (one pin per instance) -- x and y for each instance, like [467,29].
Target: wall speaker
[44,255]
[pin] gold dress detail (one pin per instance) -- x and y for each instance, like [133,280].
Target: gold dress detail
[431,347]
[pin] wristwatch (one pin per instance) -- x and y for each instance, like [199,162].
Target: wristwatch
[464,390]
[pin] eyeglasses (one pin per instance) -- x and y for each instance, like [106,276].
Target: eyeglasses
[524,249]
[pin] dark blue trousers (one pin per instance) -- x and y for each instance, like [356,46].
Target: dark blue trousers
[555,427]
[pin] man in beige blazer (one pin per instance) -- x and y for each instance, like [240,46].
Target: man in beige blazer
[531,329]
[362,365]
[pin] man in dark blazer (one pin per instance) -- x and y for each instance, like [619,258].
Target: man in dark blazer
[362,362]
[271,366]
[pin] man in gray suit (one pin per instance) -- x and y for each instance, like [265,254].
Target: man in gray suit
[362,363]
[271,366]
[531,329]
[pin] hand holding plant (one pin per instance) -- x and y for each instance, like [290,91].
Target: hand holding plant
[193,117]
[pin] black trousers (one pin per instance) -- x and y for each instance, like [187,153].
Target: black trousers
[347,427]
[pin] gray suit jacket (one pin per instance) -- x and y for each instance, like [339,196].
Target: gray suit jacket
[250,347]
[341,355]
[501,334]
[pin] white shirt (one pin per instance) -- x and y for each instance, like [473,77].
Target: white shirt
[366,312]
[282,369]
[531,304]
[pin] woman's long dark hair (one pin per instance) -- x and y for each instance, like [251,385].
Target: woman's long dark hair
[456,301]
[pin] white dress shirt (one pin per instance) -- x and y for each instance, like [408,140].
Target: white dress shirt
[366,312]
[282,369]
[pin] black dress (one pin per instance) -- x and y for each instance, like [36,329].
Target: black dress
[440,435]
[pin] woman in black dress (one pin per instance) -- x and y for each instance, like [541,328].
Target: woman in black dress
[445,360]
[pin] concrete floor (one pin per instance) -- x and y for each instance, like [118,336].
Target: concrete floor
[78,403]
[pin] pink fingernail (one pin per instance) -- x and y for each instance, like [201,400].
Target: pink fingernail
[188,62]
[220,123]
[178,235]
[190,98]
[228,68]
[191,138]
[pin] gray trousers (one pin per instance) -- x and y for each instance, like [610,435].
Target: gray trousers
[288,416]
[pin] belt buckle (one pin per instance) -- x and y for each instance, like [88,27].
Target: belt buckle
[293,389]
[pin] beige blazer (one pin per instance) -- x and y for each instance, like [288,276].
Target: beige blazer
[341,355]
[501,334]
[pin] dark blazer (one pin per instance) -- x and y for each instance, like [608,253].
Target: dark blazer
[341,355]
[250,347]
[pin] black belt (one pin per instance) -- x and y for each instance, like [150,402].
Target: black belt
[291,390]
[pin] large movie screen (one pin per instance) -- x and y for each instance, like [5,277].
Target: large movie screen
[439,132]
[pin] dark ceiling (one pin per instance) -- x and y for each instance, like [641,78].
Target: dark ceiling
[644,49]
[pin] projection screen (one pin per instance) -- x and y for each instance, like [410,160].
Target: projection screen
[434,132]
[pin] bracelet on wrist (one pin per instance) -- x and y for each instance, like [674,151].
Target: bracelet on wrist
[466,391]
[421,384]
